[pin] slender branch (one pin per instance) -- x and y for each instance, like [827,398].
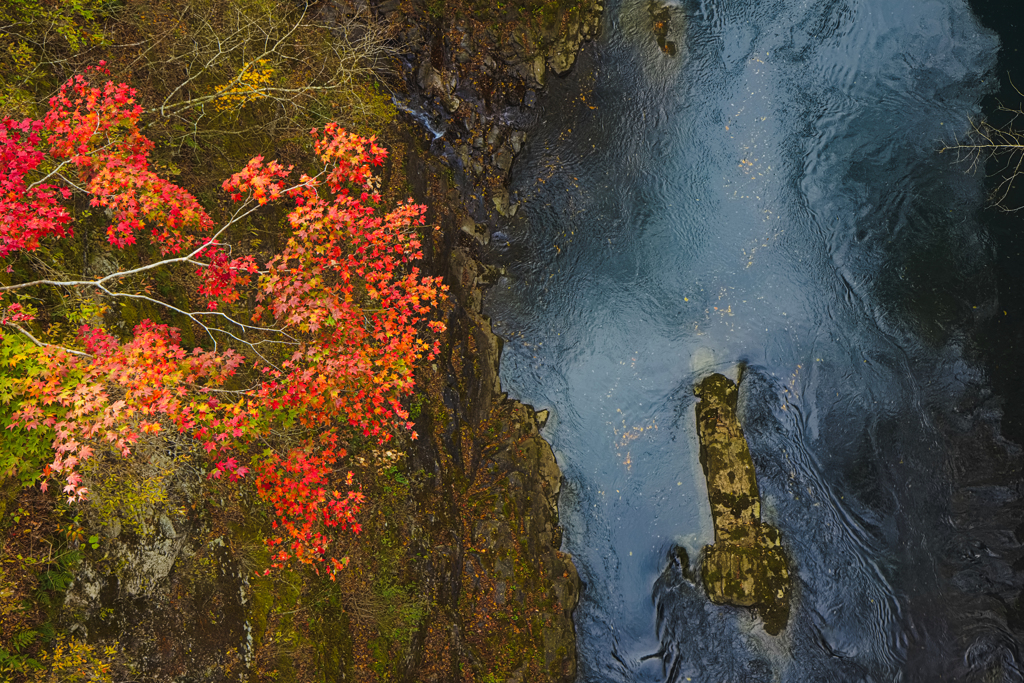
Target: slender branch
[313,50]
[239,214]
[42,344]
[985,142]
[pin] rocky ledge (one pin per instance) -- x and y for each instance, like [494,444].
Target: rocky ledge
[473,71]
[746,566]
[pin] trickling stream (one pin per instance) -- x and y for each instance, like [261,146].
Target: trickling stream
[771,194]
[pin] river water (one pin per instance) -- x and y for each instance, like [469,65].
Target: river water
[771,195]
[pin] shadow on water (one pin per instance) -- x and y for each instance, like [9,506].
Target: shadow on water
[771,193]
[1005,331]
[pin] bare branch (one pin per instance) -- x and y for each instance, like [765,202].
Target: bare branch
[309,57]
[42,344]
[246,209]
[1005,145]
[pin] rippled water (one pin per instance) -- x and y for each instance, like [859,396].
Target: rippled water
[771,195]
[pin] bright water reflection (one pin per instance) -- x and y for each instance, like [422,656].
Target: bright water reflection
[770,195]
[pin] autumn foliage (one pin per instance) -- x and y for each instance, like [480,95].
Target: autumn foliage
[342,314]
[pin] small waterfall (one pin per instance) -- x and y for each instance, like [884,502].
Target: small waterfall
[420,117]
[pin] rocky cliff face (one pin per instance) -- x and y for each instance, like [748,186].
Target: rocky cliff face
[473,70]
[505,592]
[490,542]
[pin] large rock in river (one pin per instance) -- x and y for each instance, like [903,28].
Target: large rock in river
[746,565]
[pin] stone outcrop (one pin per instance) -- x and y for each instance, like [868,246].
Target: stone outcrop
[509,563]
[474,72]
[746,566]
[661,16]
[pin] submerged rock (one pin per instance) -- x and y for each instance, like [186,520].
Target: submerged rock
[746,565]
[661,17]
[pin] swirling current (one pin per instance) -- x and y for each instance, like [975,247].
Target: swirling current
[770,192]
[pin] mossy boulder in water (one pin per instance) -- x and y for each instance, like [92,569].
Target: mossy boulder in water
[661,17]
[746,565]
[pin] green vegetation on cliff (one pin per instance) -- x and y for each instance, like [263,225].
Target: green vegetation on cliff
[158,575]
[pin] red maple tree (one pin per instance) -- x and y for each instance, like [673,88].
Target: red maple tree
[342,313]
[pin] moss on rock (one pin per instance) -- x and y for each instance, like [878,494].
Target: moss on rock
[746,566]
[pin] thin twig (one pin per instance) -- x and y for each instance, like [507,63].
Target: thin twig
[42,344]
[985,142]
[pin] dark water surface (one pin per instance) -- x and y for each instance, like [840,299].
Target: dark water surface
[771,194]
